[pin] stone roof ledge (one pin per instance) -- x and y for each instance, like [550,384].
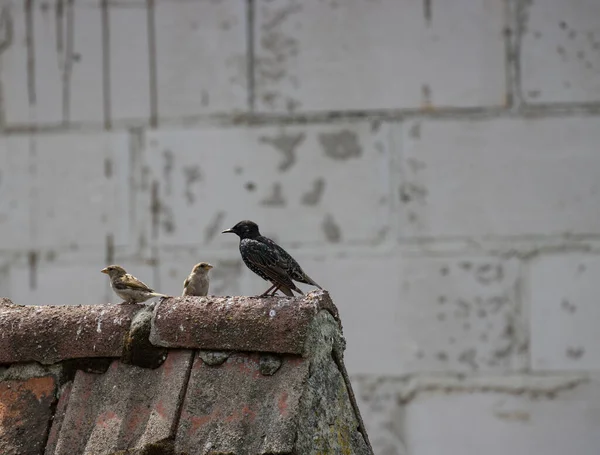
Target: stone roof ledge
[187,375]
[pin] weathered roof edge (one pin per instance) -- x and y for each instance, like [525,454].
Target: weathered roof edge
[263,324]
[49,334]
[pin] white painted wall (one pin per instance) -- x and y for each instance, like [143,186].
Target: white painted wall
[434,165]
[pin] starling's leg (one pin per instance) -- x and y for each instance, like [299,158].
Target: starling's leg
[275,291]
[264,294]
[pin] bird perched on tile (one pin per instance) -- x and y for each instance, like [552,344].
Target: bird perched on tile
[128,287]
[197,282]
[268,260]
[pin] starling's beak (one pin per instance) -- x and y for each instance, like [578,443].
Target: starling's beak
[104,270]
[228,231]
[209,266]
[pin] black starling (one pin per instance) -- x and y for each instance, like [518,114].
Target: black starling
[268,260]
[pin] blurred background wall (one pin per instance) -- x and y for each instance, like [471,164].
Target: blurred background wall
[434,165]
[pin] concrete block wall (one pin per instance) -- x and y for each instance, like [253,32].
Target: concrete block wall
[434,165]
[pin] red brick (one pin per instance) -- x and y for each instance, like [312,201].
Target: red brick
[271,324]
[233,408]
[127,407]
[25,412]
[48,334]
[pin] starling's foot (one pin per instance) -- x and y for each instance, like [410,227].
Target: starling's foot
[274,292]
[266,293]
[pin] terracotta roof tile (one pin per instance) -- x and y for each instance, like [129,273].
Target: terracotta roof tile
[273,324]
[126,407]
[230,375]
[25,412]
[48,334]
[233,408]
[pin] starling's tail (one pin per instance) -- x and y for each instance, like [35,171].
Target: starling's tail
[309,280]
[287,291]
[156,294]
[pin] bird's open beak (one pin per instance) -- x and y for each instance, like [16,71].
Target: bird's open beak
[104,270]
[228,231]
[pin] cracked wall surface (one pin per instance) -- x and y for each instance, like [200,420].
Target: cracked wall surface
[434,166]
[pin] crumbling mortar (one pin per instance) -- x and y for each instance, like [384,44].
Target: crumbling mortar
[532,392]
[513,38]
[534,386]
[540,110]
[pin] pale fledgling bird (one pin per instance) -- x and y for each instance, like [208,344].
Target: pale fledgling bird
[198,281]
[128,287]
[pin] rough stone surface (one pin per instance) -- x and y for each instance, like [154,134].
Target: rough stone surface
[269,364]
[128,407]
[328,422]
[137,349]
[214,357]
[233,408]
[47,334]
[274,324]
[25,413]
[565,313]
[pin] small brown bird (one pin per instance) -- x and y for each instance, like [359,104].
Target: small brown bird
[197,282]
[128,287]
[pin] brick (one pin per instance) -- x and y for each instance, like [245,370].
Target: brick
[413,314]
[92,200]
[270,175]
[84,91]
[66,73]
[200,57]
[238,323]
[48,334]
[560,52]
[523,413]
[509,187]
[383,54]
[564,312]
[25,413]
[129,62]
[128,407]
[15,187]
[16,94]
[228,406]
